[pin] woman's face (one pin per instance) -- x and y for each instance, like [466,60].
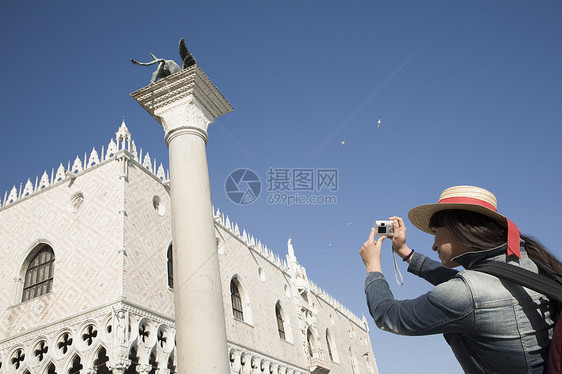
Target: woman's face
[447,247]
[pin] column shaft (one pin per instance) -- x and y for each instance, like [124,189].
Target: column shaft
[199,313]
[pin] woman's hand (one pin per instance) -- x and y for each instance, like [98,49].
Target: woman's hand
[399,238]
[371,252]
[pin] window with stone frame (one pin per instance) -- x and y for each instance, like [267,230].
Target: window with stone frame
[329,346]
[280,321]
[310,341]
[170,268]
[332,347]
[236,300]
[38,279]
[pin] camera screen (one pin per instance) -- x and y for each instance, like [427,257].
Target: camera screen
[381,230]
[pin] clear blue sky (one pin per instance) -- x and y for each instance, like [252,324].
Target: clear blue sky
[469,92]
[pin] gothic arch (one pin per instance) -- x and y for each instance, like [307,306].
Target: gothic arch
[171,364]
[50,368]
[33,281]
[133,356]
[147,333]
[100,361]
[87,339]
[165,337]
[283,318]
[39,353]
[16,360]
[236,284]
[353,362]
[170,266]
[154,361]
[311,342]
[74,365]
[30,250]
[332,347]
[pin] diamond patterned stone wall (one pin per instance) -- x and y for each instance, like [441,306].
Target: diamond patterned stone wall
[110,231]
[147,238]
[85,242]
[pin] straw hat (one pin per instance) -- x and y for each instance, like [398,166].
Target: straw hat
[474,199]
[471,198]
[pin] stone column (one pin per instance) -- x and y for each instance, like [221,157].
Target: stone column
[185,104]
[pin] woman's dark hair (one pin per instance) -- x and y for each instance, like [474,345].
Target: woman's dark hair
[481,232]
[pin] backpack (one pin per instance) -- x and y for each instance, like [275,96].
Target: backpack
[549,285]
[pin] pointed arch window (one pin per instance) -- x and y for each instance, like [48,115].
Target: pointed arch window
[100,363]
[76,365]
[236,300]
[329,346]
[51,369]
[332,347]
[170,268]
[280,321]
[310,341]
[39,274]
[354,363]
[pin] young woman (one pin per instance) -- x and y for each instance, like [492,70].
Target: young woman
[492,325]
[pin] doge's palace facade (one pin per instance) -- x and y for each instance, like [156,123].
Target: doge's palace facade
[87,282]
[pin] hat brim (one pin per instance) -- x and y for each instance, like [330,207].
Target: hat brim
[421,215]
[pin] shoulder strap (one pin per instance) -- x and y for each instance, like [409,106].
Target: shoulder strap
[540,283]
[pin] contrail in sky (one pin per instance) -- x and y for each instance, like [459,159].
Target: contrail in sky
[234,140]
[363,104]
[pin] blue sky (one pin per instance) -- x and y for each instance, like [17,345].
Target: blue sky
[469,92]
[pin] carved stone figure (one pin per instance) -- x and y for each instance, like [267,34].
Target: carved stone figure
[168,67]
[121,326]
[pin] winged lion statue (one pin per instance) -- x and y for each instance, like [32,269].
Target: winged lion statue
[168,67]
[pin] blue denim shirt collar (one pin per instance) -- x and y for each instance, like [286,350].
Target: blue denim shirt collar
[469,259]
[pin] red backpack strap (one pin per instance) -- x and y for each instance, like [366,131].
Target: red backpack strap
[554,364]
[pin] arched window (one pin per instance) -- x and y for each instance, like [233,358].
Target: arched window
[76,365]
[51,369]
[332,347]
[354,363]
[280,321]
[100,364]
[329,346]
[236,300]
[39,274]
[170,268]
[132,369]
[152,362]
[310,341]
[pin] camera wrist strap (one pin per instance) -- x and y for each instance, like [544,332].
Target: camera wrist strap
[396,270]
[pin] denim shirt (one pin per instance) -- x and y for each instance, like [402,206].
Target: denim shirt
[492,325]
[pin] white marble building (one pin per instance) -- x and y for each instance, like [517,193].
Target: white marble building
[87,284]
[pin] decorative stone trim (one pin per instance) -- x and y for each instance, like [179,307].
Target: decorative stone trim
[122,144]
[86,334]
[244,360]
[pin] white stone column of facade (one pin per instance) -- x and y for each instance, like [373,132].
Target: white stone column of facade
[185,104]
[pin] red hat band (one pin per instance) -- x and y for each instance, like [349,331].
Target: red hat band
[512,229]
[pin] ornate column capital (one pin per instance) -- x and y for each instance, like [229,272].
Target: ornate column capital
[118,366]
[184,100]
[187,116]
[143,369]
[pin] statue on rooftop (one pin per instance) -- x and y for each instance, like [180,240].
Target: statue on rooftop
[168,67]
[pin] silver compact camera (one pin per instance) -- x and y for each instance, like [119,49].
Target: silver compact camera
[384,228]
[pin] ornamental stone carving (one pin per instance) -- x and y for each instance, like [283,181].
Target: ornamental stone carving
[235,363]
[118,366]
[183,100]
[187,114]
